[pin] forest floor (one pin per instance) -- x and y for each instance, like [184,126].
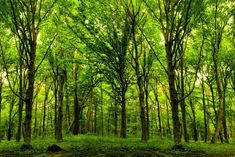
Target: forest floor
[96,146]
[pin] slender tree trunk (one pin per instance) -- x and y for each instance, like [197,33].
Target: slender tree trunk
[30,92]
[21,102]
[102,111]
[35,119]
[147,110]
[123,111]
[10,123]
[204,111]
[168,120]
[115,118]
[89,113]
[62,77]
[226,138]
[67,107]
[45,111]
[173,96]
[77,108]
[195,134]
[158,108]
[56,102]
[95,119]
[182,104]
[142,110]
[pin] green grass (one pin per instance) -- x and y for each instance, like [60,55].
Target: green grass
[91,145]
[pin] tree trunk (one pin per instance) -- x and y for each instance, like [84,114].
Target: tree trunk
[35,119]
[30,93]
[173,96]
[56,101]
[182,104]
[67,107]
[142,110]
[147,110]
[226,138]
[44,110]
[158,108]
[95,119]
[123,112]
[204,111]
[62,76]
[168,120]
[89,113]
[102,111]
[195,134]
[10,123]
[21,102]
[217,73]
[115,118]
[77,107]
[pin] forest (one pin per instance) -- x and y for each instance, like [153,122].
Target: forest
[117,77]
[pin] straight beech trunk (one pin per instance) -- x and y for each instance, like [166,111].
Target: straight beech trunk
[123,111]
[168,120]
[77,108]
[204,112]
[45,110]
[89,113]
[56,101]
[142,110]
[173,95]
[62,77]
[10,123]
[115,118]
[67,107]
[195,134]
[158,108]
[226,138]
[95,119]
[21,101]
[182,104]
[35,119]
[30,91]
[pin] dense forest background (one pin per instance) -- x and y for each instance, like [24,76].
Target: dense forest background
[128,68]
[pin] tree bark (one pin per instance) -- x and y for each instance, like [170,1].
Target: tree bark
[45,111]
[77,108]
[56,100]
[182,104]
[35,119]
[173,95]
[226,138]
[30,91]
[123,110]
[115,118]
[158,108]
[95,118]
[195,134]
[204,112]
[21,101]
[67,107]
[62,76]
